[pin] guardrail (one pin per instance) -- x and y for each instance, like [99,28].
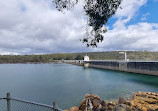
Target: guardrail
[131,60]
[11,104]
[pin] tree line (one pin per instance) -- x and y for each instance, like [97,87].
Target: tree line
[109,55]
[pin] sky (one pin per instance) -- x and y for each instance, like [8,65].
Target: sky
[36,27]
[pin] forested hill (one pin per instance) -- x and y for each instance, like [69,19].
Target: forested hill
[109,55]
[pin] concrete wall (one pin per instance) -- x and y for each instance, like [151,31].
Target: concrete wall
[150,68]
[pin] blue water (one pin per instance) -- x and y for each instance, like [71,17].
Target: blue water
[67,84]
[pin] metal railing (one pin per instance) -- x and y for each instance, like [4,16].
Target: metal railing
[114,60]
[11,104]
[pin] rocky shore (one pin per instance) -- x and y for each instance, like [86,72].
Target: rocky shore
[141,101]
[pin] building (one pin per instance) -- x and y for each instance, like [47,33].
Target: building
[86,58]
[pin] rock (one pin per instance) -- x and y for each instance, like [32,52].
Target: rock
[100,106]
[110,108]
[92,96]
[150,110]
[74,109]
[104,105]
[90,102]
[144,101]
[96,103]
[89,105]
[122,107]
[121,100]
[128,103]
[112,104]
[141,101]
[82,106]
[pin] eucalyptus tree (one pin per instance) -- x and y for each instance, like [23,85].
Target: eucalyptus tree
[98,13]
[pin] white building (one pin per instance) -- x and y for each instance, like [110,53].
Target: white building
[86,58]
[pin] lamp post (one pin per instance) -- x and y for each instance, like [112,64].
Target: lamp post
[124,54]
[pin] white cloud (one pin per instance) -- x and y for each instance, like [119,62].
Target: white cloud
[33,26]
[129,8]
[144,17]
[140,36]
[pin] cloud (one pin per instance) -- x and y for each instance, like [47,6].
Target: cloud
[129,8]
[30,27]
[34,27]
[128,11]
[139,36]
[144,17]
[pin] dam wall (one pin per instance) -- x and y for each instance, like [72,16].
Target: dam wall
[150,68]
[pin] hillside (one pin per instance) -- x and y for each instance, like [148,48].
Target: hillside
[109,55]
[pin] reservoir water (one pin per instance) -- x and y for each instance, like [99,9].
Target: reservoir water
[67,84]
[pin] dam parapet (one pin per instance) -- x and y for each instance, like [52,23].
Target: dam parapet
[143,67]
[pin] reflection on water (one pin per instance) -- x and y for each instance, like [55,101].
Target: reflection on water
[144,82]
[67,84]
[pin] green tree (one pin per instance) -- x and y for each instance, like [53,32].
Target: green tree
[79,57]
[40,58]
[98,13]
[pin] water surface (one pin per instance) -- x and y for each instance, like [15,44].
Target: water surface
[67,84]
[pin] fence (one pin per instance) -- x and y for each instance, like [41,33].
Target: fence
[11,104]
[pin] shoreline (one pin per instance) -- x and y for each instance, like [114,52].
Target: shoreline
[30,63]
[141,101]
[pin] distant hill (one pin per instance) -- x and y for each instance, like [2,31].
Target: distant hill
[108,55]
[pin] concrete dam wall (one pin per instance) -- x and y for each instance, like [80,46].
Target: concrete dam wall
[150,68]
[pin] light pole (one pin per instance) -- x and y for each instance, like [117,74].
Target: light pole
[125,55]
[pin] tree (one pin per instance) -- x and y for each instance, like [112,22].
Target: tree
[79,57]
[98,13]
